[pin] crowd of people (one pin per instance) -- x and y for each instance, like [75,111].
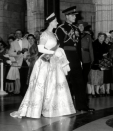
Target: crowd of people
[18,54]
[57,70]
[97,61]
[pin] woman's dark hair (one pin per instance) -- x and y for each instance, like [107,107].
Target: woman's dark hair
[42,30]
[3,43]
[49,20]
[31,36]
[11,37]
[101,33]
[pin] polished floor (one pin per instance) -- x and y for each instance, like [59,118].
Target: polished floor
[101,120]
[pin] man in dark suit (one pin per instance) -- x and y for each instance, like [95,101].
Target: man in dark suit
[68,37]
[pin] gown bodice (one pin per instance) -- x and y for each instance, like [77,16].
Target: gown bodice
[51,40]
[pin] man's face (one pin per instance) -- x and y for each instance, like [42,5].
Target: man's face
[71,18]
[18,34]
[81,27]
[101,38]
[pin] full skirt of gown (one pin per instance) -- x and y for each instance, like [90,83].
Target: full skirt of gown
[48,93]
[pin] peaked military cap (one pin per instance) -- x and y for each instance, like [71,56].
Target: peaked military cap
[70,10]
[82,22]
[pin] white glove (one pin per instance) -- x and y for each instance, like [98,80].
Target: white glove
[58,53]
[9,62]
[6,55]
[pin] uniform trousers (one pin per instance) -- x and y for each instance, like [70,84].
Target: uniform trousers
[76,81]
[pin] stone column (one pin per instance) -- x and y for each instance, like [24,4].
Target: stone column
[11,17]
[104,15]
[35,15]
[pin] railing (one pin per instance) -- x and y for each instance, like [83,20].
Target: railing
[2,92]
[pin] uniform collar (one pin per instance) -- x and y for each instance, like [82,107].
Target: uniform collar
[68,23]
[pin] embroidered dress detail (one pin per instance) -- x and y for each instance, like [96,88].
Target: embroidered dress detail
[48,93]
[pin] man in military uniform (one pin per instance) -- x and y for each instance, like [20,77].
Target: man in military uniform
[86,49]
[68,37]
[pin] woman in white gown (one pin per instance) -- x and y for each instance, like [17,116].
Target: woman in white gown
[48,93]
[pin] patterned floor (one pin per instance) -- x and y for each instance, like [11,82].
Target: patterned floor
[101,120]
[110,122]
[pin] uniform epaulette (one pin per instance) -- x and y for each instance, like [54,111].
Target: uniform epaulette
[75,26]
[62,26]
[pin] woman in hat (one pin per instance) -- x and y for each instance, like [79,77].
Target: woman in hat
[48,93]
[107,76]
[96,72]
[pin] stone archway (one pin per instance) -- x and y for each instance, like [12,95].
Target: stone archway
[35,15]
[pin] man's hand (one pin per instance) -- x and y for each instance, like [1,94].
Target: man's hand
[6,55]
[9,62]
[105,54]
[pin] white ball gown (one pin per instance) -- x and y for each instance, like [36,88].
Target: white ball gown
[48,93]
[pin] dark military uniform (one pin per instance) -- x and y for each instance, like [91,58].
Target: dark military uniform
[87,54]
[68,36]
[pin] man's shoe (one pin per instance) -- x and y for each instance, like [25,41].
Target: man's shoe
[90,110]
[87,110]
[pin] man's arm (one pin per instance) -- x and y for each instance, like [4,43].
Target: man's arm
[91,49]
[60,36]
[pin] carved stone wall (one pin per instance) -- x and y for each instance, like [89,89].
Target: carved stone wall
[104,16]
[11,16]
[35,15]
[28,15]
